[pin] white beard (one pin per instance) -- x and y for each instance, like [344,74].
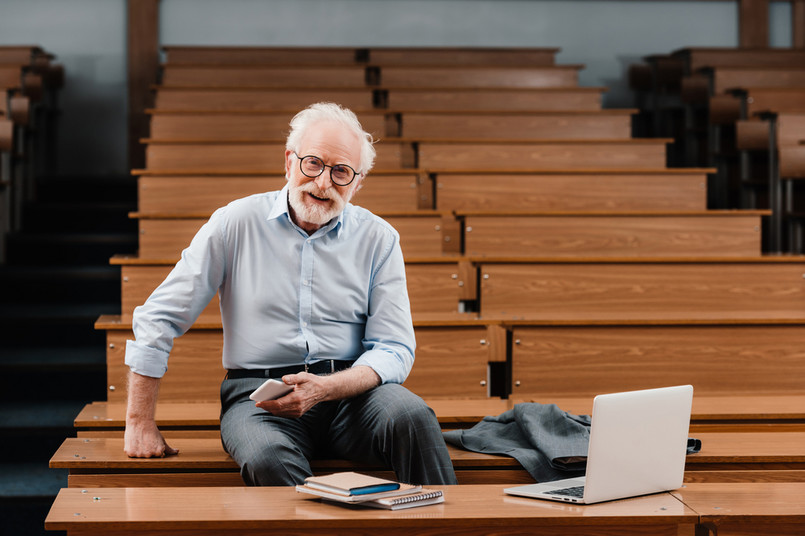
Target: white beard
[313,212]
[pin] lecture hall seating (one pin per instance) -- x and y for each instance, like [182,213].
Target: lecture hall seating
[644,285]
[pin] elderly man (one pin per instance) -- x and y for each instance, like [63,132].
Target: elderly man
[312,292]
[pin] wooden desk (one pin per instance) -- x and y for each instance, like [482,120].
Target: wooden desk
[240,510]
[756,508]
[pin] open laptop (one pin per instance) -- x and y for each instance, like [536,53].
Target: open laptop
[638,444]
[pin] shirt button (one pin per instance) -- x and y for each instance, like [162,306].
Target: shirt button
[304,324]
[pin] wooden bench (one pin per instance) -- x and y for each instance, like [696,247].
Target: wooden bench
[573,190]
[202,461]
[199,158]
[749,508]
[613,234]
[431,76]
[181,98]
[358,99]
[720,358]
[769,288]
[566,125]
[471,510]
[264,76]
[426,233]
[200,418]
[776,137]
[200,195]
[501,76]
[542,155]
[422,233]
[571,98]
[711,413]
[461,348]
[256,55]
[244,125]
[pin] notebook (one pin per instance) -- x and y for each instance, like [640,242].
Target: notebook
[638,444]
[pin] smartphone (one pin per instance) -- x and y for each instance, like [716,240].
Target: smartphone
[270,390]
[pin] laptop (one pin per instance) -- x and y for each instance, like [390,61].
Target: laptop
[638,444]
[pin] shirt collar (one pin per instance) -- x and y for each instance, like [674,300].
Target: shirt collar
[281,208]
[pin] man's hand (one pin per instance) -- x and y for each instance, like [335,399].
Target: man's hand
[144,440]
[310,389]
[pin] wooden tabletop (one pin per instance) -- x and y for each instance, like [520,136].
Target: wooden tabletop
[749,508]
[242,510]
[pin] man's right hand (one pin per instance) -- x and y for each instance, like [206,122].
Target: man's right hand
[144,440]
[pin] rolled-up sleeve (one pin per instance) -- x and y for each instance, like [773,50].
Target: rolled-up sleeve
[389,341]
[176,303]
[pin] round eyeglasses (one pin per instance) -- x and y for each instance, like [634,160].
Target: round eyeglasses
[312,166]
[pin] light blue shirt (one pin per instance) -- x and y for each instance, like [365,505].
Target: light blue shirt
[286,298]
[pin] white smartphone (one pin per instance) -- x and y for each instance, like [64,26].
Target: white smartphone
[270,390]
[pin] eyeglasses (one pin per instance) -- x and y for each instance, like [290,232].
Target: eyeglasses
[312,166]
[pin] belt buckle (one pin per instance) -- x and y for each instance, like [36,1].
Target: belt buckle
[306,367]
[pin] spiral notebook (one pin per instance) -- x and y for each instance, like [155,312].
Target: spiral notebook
[421,498]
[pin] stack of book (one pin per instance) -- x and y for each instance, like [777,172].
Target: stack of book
[357,488]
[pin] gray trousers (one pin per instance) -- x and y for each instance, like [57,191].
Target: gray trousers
[388,426]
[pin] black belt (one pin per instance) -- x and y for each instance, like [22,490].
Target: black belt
[319,367]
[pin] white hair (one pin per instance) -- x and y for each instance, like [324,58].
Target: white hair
[328,111]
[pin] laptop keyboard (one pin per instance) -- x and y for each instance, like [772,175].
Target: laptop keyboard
[575,491]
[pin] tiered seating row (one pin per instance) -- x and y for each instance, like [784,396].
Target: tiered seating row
[539,244]
[722,94]
[28,81]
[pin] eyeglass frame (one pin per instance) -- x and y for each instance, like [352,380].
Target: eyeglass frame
[324,166]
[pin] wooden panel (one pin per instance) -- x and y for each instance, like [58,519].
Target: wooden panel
[716,360]
[218,55]
[142,61]
[792,161]
[470,510]
[264,76]
[434,288]
[258,100]
[419,56]
[719,413]
[735,77]
[631,154]
[247,157]
[458,353]
[165,239]
[420,235]
[138,282]
[203,194]
[199,194]
[200,126]
[480,77]
[791,128]
[774,99]
[194,372]
[752,135]
[495,99]
[571,192]
[517,126]
[748,508]
[698,58]
[613,236]
[753,23]
[642,291]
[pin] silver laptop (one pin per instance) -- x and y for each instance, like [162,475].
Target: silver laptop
[638,444]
